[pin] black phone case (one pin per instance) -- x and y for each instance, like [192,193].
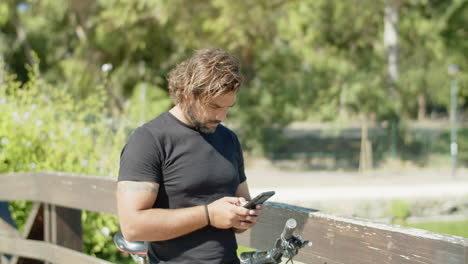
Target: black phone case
[259,199]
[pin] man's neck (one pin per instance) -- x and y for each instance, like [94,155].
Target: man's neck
[180,115]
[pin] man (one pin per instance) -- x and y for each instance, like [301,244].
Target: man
[181,181]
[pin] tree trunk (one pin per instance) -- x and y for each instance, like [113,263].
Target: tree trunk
[365,160]
[391,44]
[421,107]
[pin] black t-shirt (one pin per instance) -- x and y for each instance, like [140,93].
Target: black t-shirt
[191,168]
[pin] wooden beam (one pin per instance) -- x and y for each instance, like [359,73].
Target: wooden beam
[67,191]
[31,219]
[45,251]
[68,228]
[352,240]
[33,228]
[47,225]
[62,226]
[336,239]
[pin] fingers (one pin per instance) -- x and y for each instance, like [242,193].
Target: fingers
[229,212]
[244,211]
[239,201]
[255,212]
[241,211]
[231,200]
[248,218]
[242,201]
[244,225]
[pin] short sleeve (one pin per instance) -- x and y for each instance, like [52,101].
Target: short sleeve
[240,160]
[140,159]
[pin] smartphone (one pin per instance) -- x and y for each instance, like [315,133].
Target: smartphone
[259,199]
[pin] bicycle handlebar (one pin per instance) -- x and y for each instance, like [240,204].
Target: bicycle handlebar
[286,245]
[289,228]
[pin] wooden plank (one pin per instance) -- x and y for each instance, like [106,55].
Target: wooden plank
[336,239]
[68,228]
[45,251]
[53,224]
[18,186]
[47,225]
[351,240]
[7,229]
[67,191]
[30,229]
[33,214]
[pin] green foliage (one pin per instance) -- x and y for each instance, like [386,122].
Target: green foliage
[98,230]
[306,60]
[48,123]
[442,145]
[241,249]
[147,102]
[43,128]
[400,210]
[303,60]
[456,228]
[20,212]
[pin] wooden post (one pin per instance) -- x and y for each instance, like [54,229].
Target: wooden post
[6,222]
[68,232]
[63,227]
[33,229]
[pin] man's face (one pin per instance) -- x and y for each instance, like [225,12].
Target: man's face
[206,116]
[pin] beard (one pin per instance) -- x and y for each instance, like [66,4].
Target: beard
[198,124]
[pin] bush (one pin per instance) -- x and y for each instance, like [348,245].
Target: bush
[43,128]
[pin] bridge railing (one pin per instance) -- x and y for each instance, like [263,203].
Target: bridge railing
[59,198]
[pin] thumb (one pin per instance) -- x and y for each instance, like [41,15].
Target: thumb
[232,200]
[242,201]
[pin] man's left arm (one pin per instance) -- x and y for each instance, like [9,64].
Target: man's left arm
[243,191]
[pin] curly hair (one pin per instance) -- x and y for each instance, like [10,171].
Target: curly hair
[207,74]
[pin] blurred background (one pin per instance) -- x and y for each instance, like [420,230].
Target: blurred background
[359,91]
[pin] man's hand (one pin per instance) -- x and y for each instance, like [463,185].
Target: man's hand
[249,220]
[227,213]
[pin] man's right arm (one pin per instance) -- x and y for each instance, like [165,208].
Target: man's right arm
[140,222]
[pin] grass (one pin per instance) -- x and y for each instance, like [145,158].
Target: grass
[241,249]
[457,228]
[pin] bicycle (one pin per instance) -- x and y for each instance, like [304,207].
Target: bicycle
[287,246]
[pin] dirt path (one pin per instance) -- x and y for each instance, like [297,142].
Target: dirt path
[312,188]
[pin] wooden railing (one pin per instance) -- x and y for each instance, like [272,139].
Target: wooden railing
[59,197]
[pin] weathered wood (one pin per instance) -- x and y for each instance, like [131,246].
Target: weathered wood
[93,193]
[48,225]
[33,229]
[68,228]
[33,214]
[336,239]
[4,259]
[45,251]
[6,228]
[351,240]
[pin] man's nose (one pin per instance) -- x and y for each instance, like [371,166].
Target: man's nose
[221,115]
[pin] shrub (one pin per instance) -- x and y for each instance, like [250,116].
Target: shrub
[44,128]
